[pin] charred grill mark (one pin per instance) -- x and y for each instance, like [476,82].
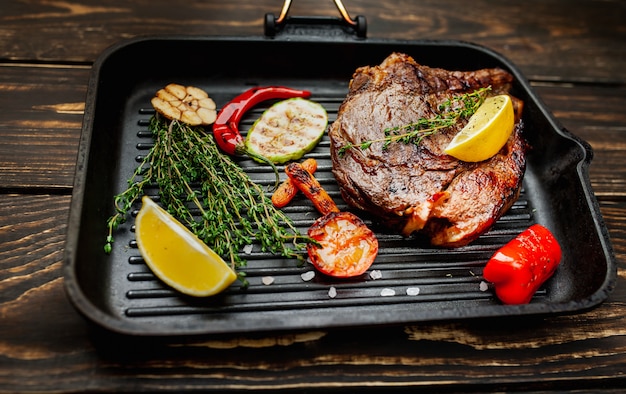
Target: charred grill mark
[389,182]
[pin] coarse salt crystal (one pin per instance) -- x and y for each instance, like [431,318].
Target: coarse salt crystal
[387,292]
[307,276]
[484,286]
[332,292]
[247,249]
[267,280]
[413,291]
[376,274]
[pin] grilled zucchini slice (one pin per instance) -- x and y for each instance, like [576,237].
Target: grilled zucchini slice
[287,130]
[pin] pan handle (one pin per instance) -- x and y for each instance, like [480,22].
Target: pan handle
[273,24]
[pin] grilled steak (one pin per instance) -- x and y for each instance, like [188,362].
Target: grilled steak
[417,187]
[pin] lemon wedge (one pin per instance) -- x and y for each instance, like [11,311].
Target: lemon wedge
[486,132]
[177,256]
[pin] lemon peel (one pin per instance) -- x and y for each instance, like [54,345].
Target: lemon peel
[486,132]
[177,256]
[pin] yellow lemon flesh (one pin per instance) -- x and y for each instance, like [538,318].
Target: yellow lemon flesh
[486,132]
[177,256]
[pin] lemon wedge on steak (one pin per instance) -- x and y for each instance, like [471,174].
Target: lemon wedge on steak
[486,132]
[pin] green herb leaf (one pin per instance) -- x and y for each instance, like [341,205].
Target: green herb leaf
[209,193]
[451,111]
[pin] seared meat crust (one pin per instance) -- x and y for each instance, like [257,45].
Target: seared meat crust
[419,187]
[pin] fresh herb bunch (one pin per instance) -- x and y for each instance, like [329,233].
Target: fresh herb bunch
[209,193]
[450,112]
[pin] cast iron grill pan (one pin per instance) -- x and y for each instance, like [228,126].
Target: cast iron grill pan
[119,292]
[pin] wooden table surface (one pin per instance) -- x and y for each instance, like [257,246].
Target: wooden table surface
[574,54]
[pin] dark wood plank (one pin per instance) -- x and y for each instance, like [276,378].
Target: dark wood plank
[40,123]
[580,41]
[46,346]
[594,114]
[574,54]
[36,224]
[43,116]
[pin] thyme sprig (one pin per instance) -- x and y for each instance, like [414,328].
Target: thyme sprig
[450,112]
[209,193]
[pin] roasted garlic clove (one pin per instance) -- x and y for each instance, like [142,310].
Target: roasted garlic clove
[188,104]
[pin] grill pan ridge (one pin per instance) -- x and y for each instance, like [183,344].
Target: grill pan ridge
[120,293]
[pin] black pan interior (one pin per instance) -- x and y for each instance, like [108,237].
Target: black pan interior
[118,292]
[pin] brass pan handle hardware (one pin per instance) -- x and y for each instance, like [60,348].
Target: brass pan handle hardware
[274,24]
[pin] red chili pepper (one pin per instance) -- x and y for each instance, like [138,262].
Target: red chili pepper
[520,267]
[226,126]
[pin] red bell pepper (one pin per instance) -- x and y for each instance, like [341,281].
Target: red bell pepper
[520,267]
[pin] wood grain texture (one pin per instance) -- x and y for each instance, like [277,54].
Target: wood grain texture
[594,114]
[574,54]
[551,40]
[40,123]
[38,326]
